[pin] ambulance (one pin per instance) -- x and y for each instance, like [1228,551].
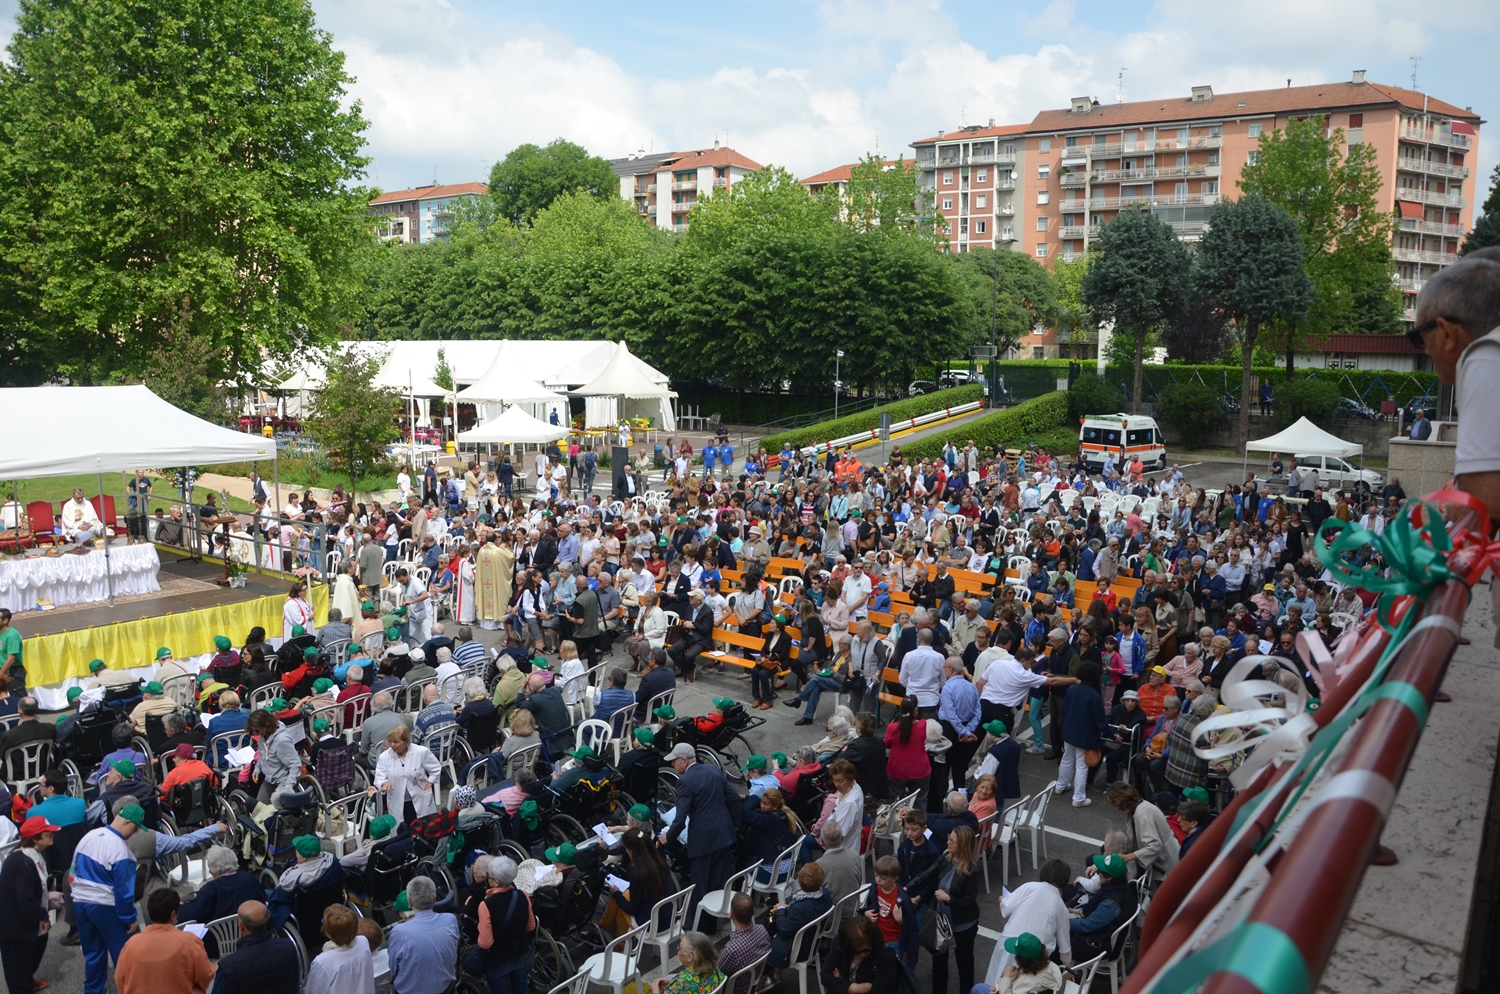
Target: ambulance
[1123,436]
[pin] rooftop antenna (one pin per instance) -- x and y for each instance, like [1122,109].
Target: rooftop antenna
[963,116]
[1120,87]
[1415,61]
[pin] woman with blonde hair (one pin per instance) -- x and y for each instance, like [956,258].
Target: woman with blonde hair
[956,879]
[523,734]
[1145,627]
[344,966]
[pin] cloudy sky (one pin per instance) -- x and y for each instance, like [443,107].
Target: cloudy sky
[449,86]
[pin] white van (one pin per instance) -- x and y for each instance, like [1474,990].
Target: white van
[1123,436]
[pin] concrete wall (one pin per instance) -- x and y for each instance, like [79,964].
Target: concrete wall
[1375,436]
[1426,466]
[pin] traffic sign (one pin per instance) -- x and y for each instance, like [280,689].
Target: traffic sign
[983,351]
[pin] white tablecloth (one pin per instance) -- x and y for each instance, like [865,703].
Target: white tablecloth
[74,579]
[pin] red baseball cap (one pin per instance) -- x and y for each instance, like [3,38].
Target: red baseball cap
[36,825]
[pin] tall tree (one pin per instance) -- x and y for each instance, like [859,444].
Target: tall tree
[1487,225]
[1009,292]
[1346,237]
[1073,323]
[353,419]
[1250,265]
[770,199]
[1138,280]
[1200,334]
[883,199]
[173,169]
[577,222]
[530,177]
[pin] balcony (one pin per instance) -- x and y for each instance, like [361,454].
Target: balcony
[1005,182]
[651,209]
[1164,200]
[685,184]
[1071,152]
[1423,256]
[1111,150]
[1433,228]
[1412,164]
[721,181]
[927,162]
[1435,137]
[1189,230]
[1006,210]
[1426,197]
[1004,156]
[650,190]
[1070,231]
[679,228]
[1079,178]
[984,157]
[1006,235]
[1410,285]
[1409,315]
[947,160]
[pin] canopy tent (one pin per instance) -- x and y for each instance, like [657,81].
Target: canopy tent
[110,429]
[1305,438]
[623,390]
[514,426]
[302,380]
[506,382]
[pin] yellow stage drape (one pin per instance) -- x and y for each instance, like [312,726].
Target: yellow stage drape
[54,658]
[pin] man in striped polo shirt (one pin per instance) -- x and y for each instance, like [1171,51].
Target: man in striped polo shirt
[103,879]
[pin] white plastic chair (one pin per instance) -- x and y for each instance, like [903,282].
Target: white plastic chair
[522,759]
[716,904]
[353,809]
[749,975]
[781,874]
[1113,960]
[1003,837]
[595,734]
[180,689]
[662,699]
[619,963]
[226,932]
[890,831]
[1034,820]
[806,942]
[576,984]
[261,696]
[663,936]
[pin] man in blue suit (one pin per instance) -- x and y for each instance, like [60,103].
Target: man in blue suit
[706,799]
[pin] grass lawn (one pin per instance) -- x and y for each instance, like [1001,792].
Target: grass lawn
[302,473]
[60,488]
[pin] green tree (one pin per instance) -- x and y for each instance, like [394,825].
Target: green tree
[1091,394]
[1487,225]
[189,373]
[530,178]
[1191,408]
[1250,265]
[1073,322]
[884,199]
[577,222]
[1346,237]
[1198,335]
[1010,293]
[172,170]
[1138,280]
[352,419]
[768,200]
[1306,397]
[443,374]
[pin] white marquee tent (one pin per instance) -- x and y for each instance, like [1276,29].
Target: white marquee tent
[623,390]
[1303,438]
[514,427]
[506,382]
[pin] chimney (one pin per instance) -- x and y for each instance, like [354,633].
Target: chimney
[1359,75]
[1202,94]
[1082,105]
[716,144]
[992,122]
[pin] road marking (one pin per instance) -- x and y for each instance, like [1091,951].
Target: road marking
[989,933]
[1073,835]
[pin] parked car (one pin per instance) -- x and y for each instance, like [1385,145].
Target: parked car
[1353,409]
[1335,473]
[919,387]
[954,378]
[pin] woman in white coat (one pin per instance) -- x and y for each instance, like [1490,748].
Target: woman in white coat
[406,773]
[346,591]
[1036,907]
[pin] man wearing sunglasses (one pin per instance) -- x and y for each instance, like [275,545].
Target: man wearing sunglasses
[1458,324]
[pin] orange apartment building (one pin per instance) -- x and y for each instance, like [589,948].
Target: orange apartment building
[665,185]
[970,176]
[416,215]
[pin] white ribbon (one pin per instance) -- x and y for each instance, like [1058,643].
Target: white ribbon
[1275,733]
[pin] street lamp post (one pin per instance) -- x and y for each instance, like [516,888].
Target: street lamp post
[837,385]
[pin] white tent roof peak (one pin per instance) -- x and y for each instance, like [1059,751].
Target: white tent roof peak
[506,380]
[622,377]
[111,430]
[1303,438]
[514,426]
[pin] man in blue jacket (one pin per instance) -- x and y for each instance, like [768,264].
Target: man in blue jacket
[706,799]
[103,879]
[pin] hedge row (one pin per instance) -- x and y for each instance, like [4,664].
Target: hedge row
[901,410]
[1033,377]
[1002,429]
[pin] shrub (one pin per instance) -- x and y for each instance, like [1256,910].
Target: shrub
[1091,395]
[1192,408]
[1314,399]
[901,410]
[1024,422]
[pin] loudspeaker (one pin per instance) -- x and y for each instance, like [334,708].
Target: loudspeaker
[619,455]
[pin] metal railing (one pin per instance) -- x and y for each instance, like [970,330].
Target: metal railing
[1003,183]
[1427,197]
[1071,231]
[685,184]
[1410,285]
[846,407]
[1412,164]
[1419,255]
[1433,228]
[1435,137]
[1110,150]
[1154,200]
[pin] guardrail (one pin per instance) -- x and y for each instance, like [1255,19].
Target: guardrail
[873,435]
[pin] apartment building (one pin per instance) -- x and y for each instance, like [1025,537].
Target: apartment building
[837,178]
[1179,156]
[969,177]
[665,185]
[416,215]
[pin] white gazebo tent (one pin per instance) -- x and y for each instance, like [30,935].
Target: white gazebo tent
[513,427]
[112,429]
[622,390]
[300,383]
[1303,438]
[506,382]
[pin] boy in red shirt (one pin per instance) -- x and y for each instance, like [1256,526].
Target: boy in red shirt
[884,905]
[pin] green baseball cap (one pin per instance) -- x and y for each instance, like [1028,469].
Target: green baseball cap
[311,652]
[645,736]
[163,653]
[825,672]
[222,643]
[298,630]
[640,813]
[74,693]
[277,704]
[530,814]
[96,665]
[564,854]
[755,762]
[152,688]
[382,826]
[321,726]
[780,618]
[1025,946]
[134,813]
[1112,865]
[124,767]
[321,684]
[367,606]
[540,662]
[307,845]
[724,703]
[402,902]
[582,752]
[666,712]
[996,728]
[780,758]
[400,612]
[1195,794]
[392,634]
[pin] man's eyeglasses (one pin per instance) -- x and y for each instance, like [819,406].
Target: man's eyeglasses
[1414,335]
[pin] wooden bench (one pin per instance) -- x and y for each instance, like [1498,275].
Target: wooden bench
[887,676]
[730,636]
[779,568]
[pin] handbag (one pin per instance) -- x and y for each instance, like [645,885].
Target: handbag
[1092,757]
[854,684]
[937,931]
